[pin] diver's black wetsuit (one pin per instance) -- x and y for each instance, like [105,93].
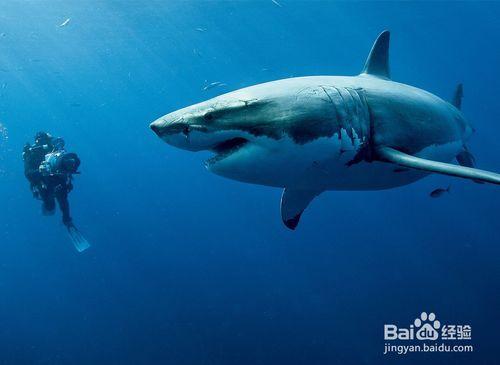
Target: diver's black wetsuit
[56,187]
[47,187]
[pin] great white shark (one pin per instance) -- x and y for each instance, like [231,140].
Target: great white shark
[317,133]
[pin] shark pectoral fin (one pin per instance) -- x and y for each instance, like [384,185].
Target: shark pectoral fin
[293,203]
[465,158]
[388,154]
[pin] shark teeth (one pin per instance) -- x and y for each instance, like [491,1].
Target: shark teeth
[225,149]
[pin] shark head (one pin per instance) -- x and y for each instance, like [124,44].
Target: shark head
[226,125]
[254,133]
[211,125]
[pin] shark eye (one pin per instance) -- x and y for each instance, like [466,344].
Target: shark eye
[208,116]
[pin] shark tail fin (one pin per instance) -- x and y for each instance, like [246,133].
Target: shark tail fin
[457,97]
[388,154]
[377,63]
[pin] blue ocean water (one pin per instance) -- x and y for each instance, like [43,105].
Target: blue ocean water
[190,268]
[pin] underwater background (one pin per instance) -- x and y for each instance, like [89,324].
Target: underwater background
[190,268]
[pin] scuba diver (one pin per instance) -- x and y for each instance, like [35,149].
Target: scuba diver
[49,170]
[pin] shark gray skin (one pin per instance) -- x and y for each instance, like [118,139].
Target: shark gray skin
[312,134]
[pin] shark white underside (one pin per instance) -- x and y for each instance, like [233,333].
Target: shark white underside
[317,133]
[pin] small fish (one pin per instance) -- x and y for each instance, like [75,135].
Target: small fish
[201,30]
[212,85]
[196,52]
[277,3]
[439,192]
[4,135]
[64,23]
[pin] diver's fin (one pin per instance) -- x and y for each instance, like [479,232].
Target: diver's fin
[377,63]
[388,154]
[80,243]
[293,203]
[457,97]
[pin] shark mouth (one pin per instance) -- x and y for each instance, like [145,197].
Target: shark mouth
[226,149]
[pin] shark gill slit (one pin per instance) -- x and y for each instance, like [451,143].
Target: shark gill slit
[359,120]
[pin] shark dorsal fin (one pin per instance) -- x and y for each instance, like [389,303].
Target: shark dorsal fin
[457,98]
[377,63]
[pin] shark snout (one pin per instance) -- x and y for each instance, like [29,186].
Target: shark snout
[190,133]
[187,133]
[176,132]
[163,126]
[156,128]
